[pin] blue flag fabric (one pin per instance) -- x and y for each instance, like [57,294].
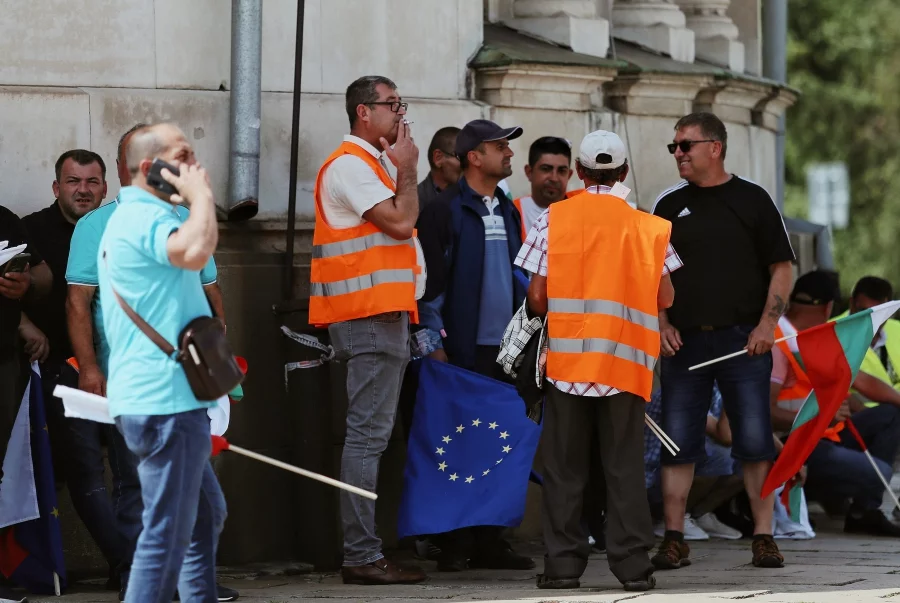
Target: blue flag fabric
[32,551]
[470,453]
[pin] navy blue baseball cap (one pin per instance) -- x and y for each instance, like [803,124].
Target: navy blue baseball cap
[482,130]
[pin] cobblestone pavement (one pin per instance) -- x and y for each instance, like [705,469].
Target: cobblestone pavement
[832,567]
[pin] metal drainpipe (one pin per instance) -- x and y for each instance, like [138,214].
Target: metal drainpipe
[246,86]
[775,14]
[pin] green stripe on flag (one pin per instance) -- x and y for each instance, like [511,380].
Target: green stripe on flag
[808,412]
[855,335]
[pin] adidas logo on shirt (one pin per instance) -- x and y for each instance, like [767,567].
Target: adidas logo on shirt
[684,212]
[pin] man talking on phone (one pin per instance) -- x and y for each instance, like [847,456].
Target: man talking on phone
[18,281]
[150,258]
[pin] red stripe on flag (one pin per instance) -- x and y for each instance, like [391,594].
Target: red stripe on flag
[831,377]
[11,553]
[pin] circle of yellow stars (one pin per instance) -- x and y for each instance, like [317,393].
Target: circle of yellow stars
[440,451]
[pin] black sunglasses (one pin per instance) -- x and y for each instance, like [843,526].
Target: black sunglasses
[685,145]
[396,106]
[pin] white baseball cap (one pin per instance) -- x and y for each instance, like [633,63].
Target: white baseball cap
[602,150]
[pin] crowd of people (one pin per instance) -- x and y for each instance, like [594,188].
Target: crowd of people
[438,267]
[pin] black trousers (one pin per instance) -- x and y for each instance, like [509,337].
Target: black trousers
[10,399]
[570,422]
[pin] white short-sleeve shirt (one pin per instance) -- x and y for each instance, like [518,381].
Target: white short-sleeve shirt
[350,187]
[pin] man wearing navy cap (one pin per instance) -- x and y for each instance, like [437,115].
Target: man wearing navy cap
[470,236]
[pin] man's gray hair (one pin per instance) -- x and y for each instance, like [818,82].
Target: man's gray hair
[145,143]
[363,92]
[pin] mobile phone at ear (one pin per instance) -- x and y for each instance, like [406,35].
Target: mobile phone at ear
[155,179]
[16,264]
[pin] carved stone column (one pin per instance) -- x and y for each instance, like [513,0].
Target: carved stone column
[656,24]
[715,34]
[571,23]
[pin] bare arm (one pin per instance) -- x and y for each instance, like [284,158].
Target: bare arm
[214,295]
[81,333]
[191,246]
[762,338]
[537,295]
[396,217]
[36,344]
[875,389]
[666,295]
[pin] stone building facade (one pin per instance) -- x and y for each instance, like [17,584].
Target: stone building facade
[80,74]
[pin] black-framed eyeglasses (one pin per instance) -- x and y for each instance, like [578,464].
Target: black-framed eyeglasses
[685,145]
[395,106]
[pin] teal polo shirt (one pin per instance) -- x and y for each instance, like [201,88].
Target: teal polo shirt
[142,380]
[82,267]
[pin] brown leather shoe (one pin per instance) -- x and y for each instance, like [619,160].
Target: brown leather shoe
[671,555]
[382,572]
[766,553]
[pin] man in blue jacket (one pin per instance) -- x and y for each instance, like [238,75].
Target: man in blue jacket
[470,236]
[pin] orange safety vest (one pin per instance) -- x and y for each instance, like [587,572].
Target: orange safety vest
[604,261]
[518,204]
[359,271]
[802,386]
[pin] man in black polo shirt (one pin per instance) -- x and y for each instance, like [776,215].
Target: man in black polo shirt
[729,296]
[79,188]
[33,283]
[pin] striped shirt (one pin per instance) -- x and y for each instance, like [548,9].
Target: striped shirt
[533,258]
[495,309]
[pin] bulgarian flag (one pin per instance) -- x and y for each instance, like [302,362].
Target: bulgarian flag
[831,354]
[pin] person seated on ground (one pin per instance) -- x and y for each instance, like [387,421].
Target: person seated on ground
[716,480]
[837,466]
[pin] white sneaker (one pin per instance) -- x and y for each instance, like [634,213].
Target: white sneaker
[692,531]
[715,528]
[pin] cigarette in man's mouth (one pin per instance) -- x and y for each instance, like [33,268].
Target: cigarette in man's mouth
[408,123]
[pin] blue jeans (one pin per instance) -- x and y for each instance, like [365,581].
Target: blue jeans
[743,382]
[184,509]
[114,523]
[376,351]
[843,470]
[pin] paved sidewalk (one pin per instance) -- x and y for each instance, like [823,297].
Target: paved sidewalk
[832,567]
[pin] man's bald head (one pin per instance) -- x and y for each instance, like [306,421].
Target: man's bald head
[150,142]
[163,141]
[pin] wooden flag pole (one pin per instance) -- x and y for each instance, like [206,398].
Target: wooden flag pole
[865,449]
[303,472]
[736,354]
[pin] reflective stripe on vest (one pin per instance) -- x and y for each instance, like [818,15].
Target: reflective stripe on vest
[330,250]
[603,325]
[359,271]
[361,283]
[605,307]
[603,346]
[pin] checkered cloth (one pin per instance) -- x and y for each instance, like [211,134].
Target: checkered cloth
[518,333]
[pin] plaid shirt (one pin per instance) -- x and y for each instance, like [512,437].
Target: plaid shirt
[533,258]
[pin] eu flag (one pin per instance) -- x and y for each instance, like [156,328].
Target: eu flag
[31,552]
[470,453]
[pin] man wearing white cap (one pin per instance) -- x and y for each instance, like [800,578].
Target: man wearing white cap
[601,273]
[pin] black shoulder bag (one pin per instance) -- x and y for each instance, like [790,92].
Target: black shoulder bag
[203,352]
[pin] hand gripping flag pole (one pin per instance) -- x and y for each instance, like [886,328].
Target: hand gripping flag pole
[219,444]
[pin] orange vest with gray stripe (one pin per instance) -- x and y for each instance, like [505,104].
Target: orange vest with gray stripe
[604,263]
[360,271]
[518,204]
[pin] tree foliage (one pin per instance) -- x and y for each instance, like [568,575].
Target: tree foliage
[844,57]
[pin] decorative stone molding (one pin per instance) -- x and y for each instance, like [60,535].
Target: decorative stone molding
[768,112]
[715,34]
[570,23]
[658,94]
[733,101]
[534,86]
[656,24]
